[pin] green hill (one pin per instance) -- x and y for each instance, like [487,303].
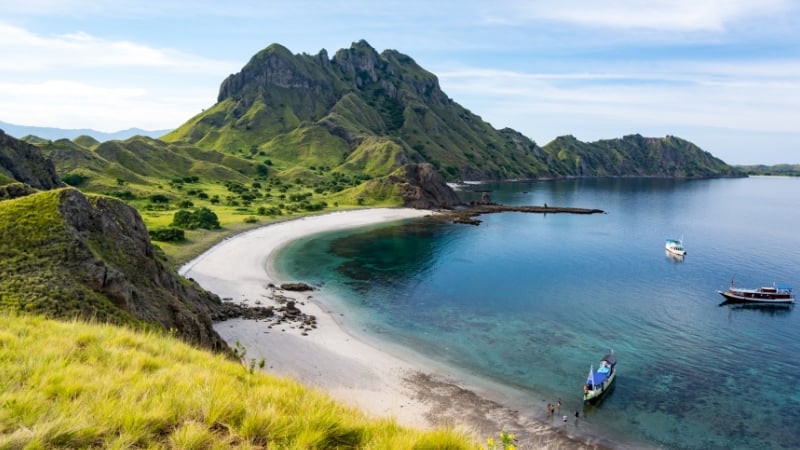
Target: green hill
[66,255]
[637,156]
[365,113]
[789,170]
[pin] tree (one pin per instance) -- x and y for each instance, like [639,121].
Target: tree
[169,234]
[159,198]
[207,219]
[200,218]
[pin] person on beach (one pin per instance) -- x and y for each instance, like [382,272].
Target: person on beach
[550,409]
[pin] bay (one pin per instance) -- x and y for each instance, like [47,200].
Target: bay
[531,300]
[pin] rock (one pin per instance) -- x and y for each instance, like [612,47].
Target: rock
[422,187]
[297,287]
[25,163]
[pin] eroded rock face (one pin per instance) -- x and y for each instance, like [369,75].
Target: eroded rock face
[424,188]
[112,252]
[25,163]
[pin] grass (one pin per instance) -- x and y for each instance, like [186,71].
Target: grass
[70,384]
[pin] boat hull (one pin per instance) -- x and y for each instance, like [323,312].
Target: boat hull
[593,395]
[750,297]
[677,252]
[600,381]
[675,247]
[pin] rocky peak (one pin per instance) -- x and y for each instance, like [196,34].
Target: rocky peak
[274,65]
[25,163]
[360,62]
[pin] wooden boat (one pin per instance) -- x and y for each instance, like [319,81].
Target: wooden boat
[764,294]
[599,381]
[675,246]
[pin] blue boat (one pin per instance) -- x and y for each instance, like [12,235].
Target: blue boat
[599,381]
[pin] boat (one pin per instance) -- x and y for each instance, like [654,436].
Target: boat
[599,381]
[675,246]
[765,294]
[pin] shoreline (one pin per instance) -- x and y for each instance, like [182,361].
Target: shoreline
[381,382]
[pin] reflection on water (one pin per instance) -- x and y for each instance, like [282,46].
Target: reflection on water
[673,257]
[772,309]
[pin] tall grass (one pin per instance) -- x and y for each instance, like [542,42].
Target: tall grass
[80,385]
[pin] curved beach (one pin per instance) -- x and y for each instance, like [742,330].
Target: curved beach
[376,380]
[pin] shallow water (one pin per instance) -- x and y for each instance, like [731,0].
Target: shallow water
[531,300]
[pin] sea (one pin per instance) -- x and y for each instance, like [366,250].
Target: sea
[531,301]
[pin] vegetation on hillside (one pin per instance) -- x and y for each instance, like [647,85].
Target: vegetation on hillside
[80,385]
[166,182]
[365,113]
[39,261]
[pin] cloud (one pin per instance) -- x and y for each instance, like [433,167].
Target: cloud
[70,104]
[22,50]
[758,97]
[662,15]
[78,80]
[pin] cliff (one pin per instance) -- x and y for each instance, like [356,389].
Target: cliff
[64,254]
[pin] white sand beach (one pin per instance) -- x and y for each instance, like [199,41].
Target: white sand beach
[353,371]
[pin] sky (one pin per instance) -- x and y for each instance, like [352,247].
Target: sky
[723,74]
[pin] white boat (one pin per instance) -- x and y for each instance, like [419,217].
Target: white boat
[675,246]
[599,381]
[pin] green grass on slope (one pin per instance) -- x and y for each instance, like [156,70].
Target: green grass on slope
[39,263]
[79,385]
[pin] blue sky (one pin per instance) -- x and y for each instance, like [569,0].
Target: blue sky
[724,74]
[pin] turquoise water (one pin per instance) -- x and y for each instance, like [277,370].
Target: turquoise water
[531,300]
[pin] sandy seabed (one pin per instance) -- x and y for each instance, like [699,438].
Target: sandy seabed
[362,374]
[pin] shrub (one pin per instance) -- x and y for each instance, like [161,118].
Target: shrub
[122,195]
[200,218]
[169,234]
[74,179]
[159,198]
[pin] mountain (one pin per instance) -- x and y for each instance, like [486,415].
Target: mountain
[49,133]
[357,112]
[369,113]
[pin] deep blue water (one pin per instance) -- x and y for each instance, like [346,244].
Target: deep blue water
[531,300]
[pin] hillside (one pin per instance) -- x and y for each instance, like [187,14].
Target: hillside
[67,255]
[361,112]
[76,385]
[638,156]
[24,163]
[789,170]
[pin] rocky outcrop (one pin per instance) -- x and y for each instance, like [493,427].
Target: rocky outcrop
[111,254]
[15,190]
[274,66]
[422,187]
[25,163]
